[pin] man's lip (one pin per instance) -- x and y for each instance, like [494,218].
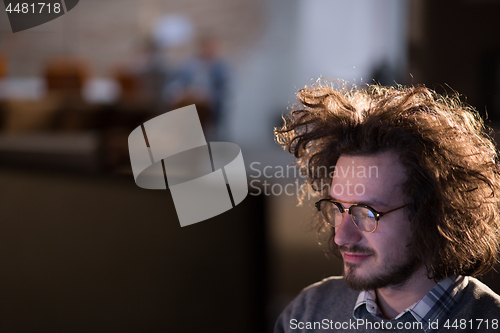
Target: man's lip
[355,257]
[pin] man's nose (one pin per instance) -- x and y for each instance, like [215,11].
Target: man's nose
[347,233]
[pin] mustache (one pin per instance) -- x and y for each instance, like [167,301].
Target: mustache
[356,249]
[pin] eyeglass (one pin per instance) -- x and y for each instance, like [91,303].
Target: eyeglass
[365,218]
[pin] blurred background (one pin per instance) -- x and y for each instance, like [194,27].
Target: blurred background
[83,249]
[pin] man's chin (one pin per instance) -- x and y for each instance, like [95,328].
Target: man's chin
[358,277]
[356,280]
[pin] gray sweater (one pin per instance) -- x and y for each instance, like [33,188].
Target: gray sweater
[327,306]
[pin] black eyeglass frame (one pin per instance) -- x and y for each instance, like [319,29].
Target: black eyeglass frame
[376,213]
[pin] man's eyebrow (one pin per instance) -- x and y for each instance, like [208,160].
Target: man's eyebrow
[370,203]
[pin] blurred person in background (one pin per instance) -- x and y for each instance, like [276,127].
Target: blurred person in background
[410,187]
[203,80]
[155,73]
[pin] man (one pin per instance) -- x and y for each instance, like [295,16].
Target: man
[412,207]
[203,80]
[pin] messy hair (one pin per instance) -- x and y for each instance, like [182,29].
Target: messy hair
[453,175]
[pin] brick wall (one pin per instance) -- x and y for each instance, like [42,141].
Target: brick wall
[106,33]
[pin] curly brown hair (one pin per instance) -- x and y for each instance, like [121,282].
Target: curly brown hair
[453,174]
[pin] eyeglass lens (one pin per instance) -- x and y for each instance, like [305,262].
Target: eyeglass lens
[362,217]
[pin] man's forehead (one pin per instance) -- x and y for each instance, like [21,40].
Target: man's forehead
[373,179]
[374,165]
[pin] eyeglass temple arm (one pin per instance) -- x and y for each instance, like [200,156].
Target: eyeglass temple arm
[389,211]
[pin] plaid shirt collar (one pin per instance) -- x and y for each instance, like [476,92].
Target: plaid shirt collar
[436,305]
